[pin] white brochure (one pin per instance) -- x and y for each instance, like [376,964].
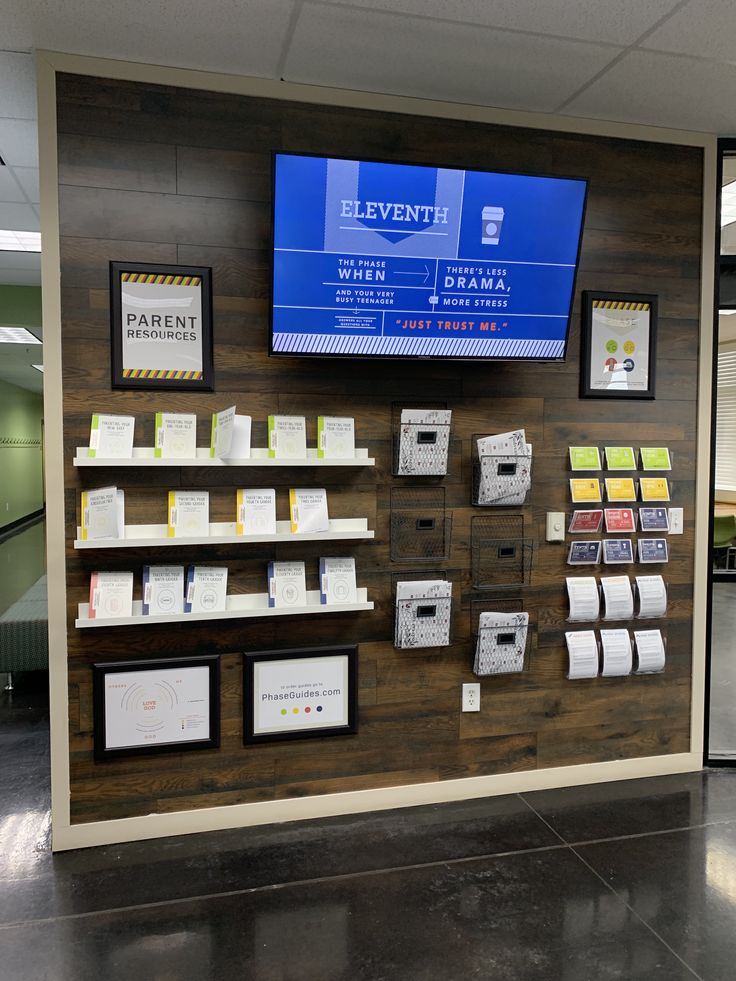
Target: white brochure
[230,435]
[652,596]
[287,584]
[103,514]
[111,437]
[618,598]
[206,589]
[423,613]
[163,589]
[287,437]
[337,581]
[650,655]
[335,437]
[256,511]
[110,595]
[501,643]
[189,514]
[617,658]
[582,649]
[424,441]
[176,436]
[582,592]
[308,510]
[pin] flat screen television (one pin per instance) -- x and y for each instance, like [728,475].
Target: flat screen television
[397,260]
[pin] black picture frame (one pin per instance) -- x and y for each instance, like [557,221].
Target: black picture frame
[619,303]
[120,375]
[250,693]
[100,672]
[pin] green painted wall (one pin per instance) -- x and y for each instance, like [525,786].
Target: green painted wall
[20,306]
[21,471]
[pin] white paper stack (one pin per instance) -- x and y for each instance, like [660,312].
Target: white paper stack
[652,596]
[582,649]
[423,613]
[287,584]
[618,598]
[582,592]
[337,583]
[501,643]
[650,656]
[424,441]
[505,468]
[103,514]
[617,657]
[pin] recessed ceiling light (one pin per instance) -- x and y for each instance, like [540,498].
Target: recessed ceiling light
[38,367]
[17,335]
[11,241]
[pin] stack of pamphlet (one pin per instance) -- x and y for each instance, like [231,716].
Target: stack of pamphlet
[501,643]
[423,613]
[505,468]
[424,441]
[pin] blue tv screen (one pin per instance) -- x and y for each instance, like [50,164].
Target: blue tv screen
[397,260]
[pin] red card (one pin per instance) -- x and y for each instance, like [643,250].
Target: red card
[586,521]
[620,519]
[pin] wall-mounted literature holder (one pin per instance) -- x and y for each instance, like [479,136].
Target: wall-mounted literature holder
[500,555]
[501,480]
[423,622]
[502,643]
[420,524]
[421,439]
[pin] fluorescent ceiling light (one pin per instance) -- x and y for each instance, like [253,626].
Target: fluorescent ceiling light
[39,367]
[17,335]
[726,313]
[19,241]
[728,203]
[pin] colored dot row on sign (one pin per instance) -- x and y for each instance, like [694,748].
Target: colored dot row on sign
[307,709]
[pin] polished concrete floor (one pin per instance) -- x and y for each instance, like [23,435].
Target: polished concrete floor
[619,881]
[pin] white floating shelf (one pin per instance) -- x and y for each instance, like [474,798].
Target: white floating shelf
[223,533]
[143,456]
[238,607]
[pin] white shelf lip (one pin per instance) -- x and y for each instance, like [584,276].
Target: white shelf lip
[238,607]
[143,456]
[223,533]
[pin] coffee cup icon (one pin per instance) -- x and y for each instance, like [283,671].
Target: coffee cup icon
[492,221]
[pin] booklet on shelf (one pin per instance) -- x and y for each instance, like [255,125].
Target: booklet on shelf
[585,521]
[230,435]
[654,519]
[335,437]
[287,437]
[424,441]
[423,613]
[111,437]
[584,553]
[652,594]
[649,649]
[176,436]
[287,584]
[620,489]
[110,595]
[163,589]
[308,510]
[655,458]
[585,458]
[582,649]
[654,489]
[620,519]
[206,590]
[617,655]
[256,511]
[620,458]
[617,551]
[103,514]
[189,514]
[584,489]
[583,596]
[618,598]
[501,643]
[337,583]
[505,468]
[653,550]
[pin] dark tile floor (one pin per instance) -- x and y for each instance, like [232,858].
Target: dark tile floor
[618,881]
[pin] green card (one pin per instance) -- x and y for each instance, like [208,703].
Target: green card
[585,458]
[655,458]
[620,458]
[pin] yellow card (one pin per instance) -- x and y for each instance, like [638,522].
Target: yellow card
[654,489]
[585,489]
[620,489]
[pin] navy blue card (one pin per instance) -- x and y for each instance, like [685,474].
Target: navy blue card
[584,553]
[617,550]
[653,550]
[653,519]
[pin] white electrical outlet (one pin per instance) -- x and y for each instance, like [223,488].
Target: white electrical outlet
[677,521]
[471,698]
[555,526]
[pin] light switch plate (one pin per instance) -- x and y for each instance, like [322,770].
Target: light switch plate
[471,697]
[676,521]
[555,526]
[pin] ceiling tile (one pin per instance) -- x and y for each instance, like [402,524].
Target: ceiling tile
[28,178]
[10,189]
[19,142]
[706,28]
[17,85]
[421,59]
[663,90]
[615,21]
[19,217]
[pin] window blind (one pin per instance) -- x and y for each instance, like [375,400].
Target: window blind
[726,420]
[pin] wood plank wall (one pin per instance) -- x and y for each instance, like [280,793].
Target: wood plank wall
[169,175]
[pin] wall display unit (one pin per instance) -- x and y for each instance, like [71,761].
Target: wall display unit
[619,342]
[156,706]
[395,260]
[300,693]
[161,326]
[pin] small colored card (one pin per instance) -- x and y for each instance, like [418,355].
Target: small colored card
[655,458]
[585,458]
[585,489]
[654,489]
[584,553]
[620,519]
[653,550]
[654,519]
[620,458]
[585,521]
[617,550]
[620,489]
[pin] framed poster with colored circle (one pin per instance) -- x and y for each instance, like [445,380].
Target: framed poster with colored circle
[300,693]
[618,345]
